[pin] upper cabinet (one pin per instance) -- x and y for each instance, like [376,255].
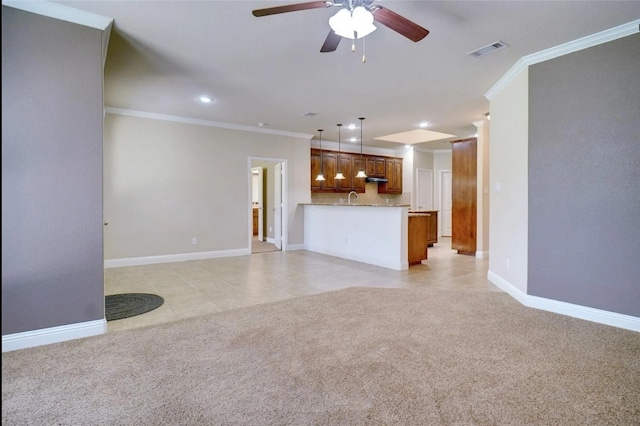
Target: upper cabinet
[327,163]
[375,166]
[393,173]
[330,162]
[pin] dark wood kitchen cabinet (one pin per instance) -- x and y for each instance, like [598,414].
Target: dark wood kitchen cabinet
[393,173]
[345,166]
[329,162]
[375,166]
[417,238]
[464,195]
[357,164]
[432,227]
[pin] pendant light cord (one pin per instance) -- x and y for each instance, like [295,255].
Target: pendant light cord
[321,154]
[339,125]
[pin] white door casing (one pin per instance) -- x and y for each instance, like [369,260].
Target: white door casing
[260,204]
[278,205]
[445,203]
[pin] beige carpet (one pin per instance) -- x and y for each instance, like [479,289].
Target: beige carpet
[350,357]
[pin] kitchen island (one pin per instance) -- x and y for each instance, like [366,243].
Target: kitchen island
[371,233]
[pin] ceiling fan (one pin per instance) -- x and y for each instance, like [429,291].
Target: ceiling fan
[354,20]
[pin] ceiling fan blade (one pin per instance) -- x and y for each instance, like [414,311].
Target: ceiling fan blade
[292,8]
[331,42]
[399,24]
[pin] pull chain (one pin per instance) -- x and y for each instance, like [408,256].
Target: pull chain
[364,51]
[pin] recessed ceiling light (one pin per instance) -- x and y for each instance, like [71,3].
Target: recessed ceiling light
[205,99]
[424,124]
[261,124]
[352,127]
[353,140]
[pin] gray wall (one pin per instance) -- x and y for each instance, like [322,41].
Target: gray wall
[584,177]
[52,259]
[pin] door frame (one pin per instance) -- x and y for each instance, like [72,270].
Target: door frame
[284,191]
[442,201]
[260,173]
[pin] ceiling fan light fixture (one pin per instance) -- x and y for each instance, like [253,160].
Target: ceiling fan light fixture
[362,21]
[358,23]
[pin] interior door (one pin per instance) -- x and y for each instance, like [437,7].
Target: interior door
[260,181]
[446,202]
[424,189]
[277,208]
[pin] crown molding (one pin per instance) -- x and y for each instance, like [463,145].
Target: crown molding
[199,122]
[611,34]
[64,13]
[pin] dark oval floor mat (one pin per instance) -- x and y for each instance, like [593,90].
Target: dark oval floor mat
[125,305]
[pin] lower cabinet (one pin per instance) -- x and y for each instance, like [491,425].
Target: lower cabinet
[432,227]
[417,238]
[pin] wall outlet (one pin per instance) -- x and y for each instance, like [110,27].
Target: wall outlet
[508,262]
[271,229]
[194,241]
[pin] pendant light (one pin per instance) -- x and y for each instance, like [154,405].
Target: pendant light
[339,175]
[320,176]
[361,173]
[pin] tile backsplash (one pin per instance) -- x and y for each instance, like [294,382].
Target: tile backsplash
[370,196]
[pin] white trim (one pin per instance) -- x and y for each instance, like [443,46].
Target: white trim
[563,49]
[292,247]
[169,258]
[482,254]
[46,336]
[64,13]
[208,123]
[600,316]
[352,148]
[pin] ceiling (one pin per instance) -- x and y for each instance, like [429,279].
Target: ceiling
[268,72]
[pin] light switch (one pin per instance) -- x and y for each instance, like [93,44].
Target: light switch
[497,187]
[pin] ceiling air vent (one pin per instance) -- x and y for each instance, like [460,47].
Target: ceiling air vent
[490,48]
[309,114]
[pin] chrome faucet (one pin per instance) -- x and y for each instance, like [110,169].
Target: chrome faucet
[349,196]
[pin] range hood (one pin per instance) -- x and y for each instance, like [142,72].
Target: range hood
[377,180]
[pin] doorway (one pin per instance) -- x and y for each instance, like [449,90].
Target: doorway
[445,202]
[267,200]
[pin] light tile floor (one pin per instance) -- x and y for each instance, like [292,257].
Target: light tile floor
[204,286]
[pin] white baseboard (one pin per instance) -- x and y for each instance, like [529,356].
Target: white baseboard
[600,316]
[151,260]
[46,336]
[292,247]
[482,254]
